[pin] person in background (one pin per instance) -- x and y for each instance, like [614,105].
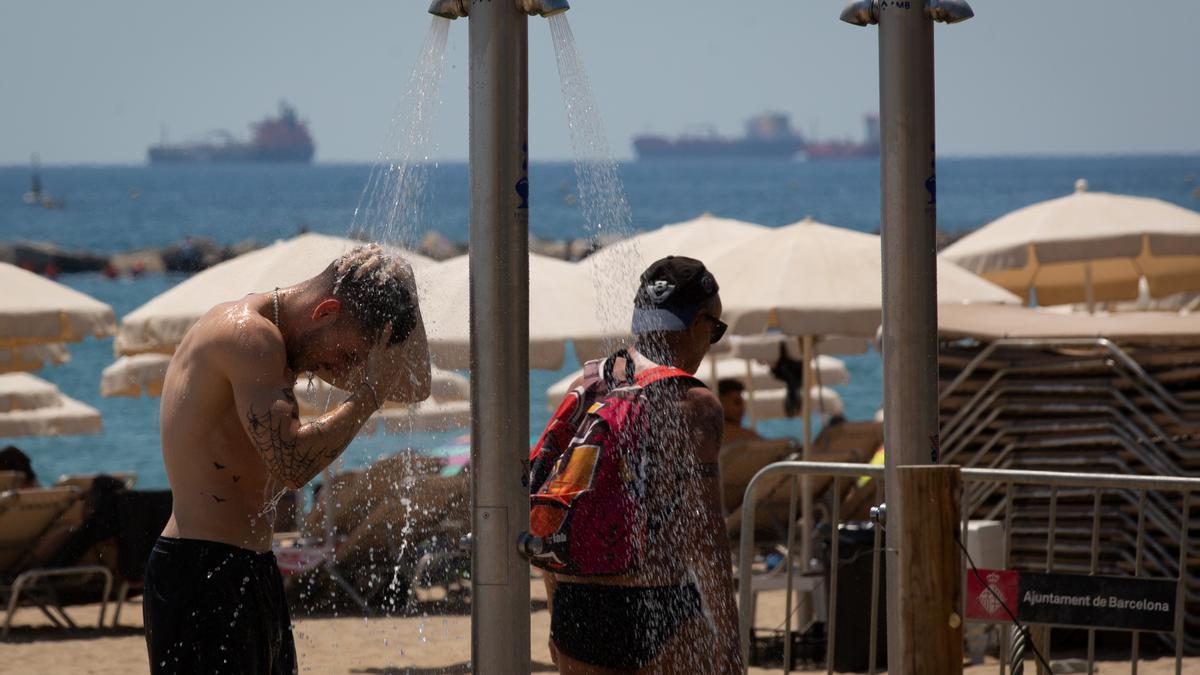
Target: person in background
[733,408]
[674,612]
[12,459]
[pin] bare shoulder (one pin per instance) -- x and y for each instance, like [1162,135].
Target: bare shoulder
[700,403]
[702,409]
[237,335]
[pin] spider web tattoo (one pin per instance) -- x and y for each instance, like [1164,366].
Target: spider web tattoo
[285,457]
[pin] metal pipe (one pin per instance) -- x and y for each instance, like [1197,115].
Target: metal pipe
[1097,504]
[499,281]
[835,561]
[1135,639]
[789,561]
[806,491]
[908,217]
[1185,521]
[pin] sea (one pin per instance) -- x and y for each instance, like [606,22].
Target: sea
[119,208]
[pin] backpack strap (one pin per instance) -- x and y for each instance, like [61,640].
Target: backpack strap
[659,373]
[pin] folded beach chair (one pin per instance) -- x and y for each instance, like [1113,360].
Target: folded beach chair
[25,516]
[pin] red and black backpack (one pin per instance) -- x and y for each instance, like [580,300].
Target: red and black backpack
[587,474]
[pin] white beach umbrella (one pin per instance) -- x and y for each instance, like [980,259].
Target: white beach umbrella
[135,375]
[428,415]
[32,357]
[562,307]
[616,268]
[445,386]
[160,324]
[815,279]
[1087,247]
[810,280]
[31,406]
[35,311]
[755,376]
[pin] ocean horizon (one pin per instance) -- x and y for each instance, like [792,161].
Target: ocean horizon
[117,208]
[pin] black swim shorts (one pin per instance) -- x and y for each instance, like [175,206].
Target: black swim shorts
[212,608]
[619,627]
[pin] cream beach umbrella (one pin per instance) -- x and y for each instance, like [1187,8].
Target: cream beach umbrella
[445,386]
[815,279]
[32,357]
[562,308]
[160,324]
[31,406]
[755,376]
[1087,247]
[135,375]
[36,311]
[615,269]
[810,280]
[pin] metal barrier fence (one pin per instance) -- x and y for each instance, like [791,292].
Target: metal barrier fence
[1142,491]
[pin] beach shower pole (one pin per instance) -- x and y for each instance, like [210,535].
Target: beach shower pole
[908,219]
[499,280]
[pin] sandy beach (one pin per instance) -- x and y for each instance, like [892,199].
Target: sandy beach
[334,646]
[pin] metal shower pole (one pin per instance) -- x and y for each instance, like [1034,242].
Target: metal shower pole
[908,219]
[499,279]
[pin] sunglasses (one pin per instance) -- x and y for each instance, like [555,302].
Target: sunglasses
[718,329]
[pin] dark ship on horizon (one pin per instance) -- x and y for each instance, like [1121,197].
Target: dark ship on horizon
[768,136]
[275,139]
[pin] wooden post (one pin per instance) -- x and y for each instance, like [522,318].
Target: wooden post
[931,581]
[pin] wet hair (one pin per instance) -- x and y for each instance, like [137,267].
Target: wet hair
[373,301]
[729,385]
[12,459]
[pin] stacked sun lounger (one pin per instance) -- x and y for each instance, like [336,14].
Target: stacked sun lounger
[1093,395]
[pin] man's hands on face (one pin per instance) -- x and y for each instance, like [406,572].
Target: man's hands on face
[384,366]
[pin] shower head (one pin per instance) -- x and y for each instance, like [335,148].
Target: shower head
[545,8]
[448,9]
[866,12]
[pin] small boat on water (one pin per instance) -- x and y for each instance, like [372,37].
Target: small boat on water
[36,196]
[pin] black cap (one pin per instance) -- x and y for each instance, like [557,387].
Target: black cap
[670,294]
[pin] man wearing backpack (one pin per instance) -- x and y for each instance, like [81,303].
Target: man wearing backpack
[625,497]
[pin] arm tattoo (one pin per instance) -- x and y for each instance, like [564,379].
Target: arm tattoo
[290,395]
[285,458]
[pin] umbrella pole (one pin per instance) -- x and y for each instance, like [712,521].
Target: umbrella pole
[1089,293]
[750,394]
[806,485]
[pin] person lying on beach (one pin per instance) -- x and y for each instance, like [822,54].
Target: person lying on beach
[671,608]
[232,439]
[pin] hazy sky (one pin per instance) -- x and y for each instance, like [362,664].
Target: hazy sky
[86,81]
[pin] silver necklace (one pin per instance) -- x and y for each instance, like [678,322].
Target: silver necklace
[275,302]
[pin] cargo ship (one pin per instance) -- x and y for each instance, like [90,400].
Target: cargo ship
[767,136]
[846,149]
[275,139]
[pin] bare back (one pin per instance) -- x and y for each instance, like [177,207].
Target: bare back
[222,486]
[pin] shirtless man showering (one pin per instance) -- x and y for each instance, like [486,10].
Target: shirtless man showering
[232,437]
